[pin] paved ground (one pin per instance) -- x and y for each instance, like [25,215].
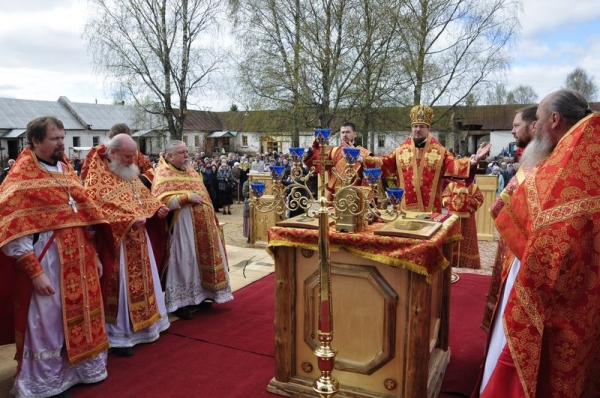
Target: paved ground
[247,264]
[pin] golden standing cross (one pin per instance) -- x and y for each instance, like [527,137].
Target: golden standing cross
[323,162]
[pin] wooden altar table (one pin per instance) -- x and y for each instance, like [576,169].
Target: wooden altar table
[390,311]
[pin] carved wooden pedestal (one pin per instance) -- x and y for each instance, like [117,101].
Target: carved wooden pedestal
[390,326]
[260,222]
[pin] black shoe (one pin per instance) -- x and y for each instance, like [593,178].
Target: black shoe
[122,351]
[206,304]
[183,314]
[224,212]
[229,212]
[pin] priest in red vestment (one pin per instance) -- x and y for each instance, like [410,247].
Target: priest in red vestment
[551,316]
[464,200]
[420,163]
[45,220]
[197,267]
[524,132]
[141,161]
[336,160]
[134,304]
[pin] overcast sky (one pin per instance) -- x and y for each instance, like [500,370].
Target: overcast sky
[43,57]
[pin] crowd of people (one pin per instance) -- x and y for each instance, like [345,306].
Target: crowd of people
[105,254]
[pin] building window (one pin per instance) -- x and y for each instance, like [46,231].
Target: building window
[76,141]
[272,146]
[96,140]
[184,138]
[197,140]
[381,140]
[244,140]
[226,141]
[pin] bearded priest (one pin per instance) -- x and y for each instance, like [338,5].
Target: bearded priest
[133,300]
[420,163]
[140,160]
[45,226]
[197,269]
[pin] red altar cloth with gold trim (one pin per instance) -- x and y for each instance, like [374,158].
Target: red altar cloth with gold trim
[421,256]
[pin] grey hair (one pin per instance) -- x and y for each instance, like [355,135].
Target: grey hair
[113,143]
[170,148]
[570,104]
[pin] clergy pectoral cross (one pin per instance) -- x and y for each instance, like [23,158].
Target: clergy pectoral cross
[137,196]
[73,204]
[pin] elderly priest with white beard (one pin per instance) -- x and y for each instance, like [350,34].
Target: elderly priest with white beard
[197,269]
[134,305]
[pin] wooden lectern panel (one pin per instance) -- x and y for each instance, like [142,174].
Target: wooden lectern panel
[486,228]
[390,327]
[365,316]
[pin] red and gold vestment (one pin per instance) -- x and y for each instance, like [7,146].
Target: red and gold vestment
[420,171]
[504,257]
[552,223]
[336,157]
[170,183]
[124,202]
[464,201]
[35,200]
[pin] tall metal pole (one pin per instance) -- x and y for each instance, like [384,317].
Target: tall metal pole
[326,385]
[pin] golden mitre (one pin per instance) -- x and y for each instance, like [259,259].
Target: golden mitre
[421,114]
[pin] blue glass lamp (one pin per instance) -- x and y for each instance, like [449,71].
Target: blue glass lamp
[277,172]
[372,175]
[351,155]
[395,195]
[258,188]
[322,136]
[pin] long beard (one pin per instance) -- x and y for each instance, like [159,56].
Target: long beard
[128,173]
[537,151]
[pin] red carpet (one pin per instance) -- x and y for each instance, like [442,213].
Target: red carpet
[227,351]
[467,339]
[246,323]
